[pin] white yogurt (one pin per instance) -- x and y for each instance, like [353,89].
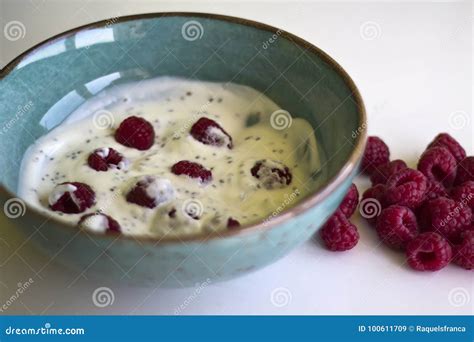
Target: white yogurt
[172,106]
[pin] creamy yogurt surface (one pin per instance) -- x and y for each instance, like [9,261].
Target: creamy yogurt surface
[259,129]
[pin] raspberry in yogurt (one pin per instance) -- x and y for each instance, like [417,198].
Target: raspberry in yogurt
[272,174]
[192,170]
[104,158]
[99,223]
[232,223]
[210,132]
[150,191]
[135,132]
[71,197]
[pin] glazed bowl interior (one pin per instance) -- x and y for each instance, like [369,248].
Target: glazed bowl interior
[42,87]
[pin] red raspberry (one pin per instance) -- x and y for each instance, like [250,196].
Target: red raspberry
[406,187]
[99,223]
[71,197]
[464,194]
[396,226]
[272,174]
[447,141]
[384,171]
[372,203]
[376,153]
[106,157]
[135,132]
[438,164]
[465,171]
[444,216]
[232,223]
[350,201]
[377,192]
[193,170]
[150,191]
[463,250]
[434,190]
[428,252]
[338,233]
[210,132]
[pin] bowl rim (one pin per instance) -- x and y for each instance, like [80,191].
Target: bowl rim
[307,203]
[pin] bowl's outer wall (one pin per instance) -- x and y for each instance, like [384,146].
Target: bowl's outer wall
[56,78]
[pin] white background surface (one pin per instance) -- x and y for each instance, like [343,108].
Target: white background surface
[414,74]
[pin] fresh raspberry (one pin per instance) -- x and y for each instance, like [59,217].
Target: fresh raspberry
[428,252]
[338,233]
[232,223]
[465,171]
[434,190]
[135,132]
[463,250]
[406,187]
[396,226]
[272,174]
[210,132]
[99,223]
[377,192]
[350,201]
[150,192]
[447,141]
[376,153]
[71,197]
[464,193]
[384,171]
[438,164]
[193,170]
[444,216]
[106,157]
[372,203]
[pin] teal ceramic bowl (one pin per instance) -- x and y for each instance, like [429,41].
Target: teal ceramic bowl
[40,88]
